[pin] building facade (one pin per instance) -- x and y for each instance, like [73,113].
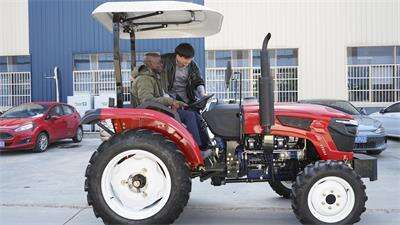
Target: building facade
[38,36]
[321,49]
[340,49]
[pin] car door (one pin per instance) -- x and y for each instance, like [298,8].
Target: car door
[71,120]
[57,123]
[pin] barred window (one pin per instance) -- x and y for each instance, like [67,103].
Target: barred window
[373,74]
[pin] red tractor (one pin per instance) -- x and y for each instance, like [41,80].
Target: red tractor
[143,173]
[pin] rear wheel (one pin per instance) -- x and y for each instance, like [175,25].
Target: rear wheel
[328,192]
[282,188]
[42,142]
[138,177]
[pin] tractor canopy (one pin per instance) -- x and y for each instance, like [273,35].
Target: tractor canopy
[160,19]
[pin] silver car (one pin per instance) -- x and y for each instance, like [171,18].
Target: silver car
[390,118]
[371,137]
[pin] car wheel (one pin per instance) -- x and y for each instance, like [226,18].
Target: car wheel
[138,177]
[374,152]
[42,142]
[78,135]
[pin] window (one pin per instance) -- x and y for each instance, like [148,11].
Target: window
[106,61]
[210,56]
[240,58]
[222,58]
[15,64]
[247,63]
[398,54]
[393,108]
[56,111]
[370,55]
[67,110]
[286,57]
[3,64]
[371,74]
[82,62]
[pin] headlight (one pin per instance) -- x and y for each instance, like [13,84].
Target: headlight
[25,127]
[347,122]
[380,130]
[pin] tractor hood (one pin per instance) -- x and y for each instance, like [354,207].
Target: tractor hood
[309,112]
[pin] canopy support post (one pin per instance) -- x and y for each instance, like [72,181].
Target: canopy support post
[117,61]
[133,62]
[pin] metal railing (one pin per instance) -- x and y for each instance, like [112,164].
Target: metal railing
[15,89]
[373,83]
[285,80]
[95,82]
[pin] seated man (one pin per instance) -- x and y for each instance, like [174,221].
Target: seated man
[147,87]
[184,83]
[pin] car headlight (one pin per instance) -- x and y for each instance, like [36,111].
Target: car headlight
[28,126]
[380,130]
[347,122]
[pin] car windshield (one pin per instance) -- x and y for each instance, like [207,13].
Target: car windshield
[25,111]
[343,106]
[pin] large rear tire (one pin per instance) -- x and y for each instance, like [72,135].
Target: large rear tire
[328,192]
[138,177]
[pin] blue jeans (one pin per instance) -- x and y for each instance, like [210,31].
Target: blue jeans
[191,120]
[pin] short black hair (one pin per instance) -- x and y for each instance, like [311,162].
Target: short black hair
[185,49]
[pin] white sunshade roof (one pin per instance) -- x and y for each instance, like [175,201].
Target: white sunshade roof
[200,20]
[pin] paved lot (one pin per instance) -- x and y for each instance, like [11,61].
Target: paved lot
[47,188]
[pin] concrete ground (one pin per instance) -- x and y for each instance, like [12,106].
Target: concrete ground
[47,188]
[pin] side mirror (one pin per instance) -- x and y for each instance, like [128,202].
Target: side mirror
[363,111]
[382,111]
[111,102]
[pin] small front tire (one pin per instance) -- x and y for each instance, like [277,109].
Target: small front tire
[328,192]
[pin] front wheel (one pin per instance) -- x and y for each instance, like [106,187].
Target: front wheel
[328,192]
[42,142]
[138,177]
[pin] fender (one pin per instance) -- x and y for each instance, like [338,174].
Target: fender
[132,119]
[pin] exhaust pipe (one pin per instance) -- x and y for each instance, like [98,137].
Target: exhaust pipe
[266,89]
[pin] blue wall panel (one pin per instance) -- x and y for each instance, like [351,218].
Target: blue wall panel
[60,28]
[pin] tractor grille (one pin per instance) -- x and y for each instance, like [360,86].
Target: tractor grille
[5,136]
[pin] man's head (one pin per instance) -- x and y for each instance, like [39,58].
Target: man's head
[153,61]
[184,54]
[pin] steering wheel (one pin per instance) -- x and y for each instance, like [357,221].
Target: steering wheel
[201,103]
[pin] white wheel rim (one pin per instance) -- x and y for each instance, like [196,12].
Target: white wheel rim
[43,142]
[287,184]
[119,187]
[331,199]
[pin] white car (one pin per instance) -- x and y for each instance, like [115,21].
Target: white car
[390,118]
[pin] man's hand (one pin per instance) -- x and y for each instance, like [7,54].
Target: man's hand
[178,104]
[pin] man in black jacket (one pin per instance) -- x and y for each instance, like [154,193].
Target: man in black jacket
[183,82]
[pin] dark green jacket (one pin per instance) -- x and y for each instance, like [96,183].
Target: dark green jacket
[147,86]
[194,79]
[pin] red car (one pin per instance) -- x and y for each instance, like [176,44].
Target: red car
[36,125]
